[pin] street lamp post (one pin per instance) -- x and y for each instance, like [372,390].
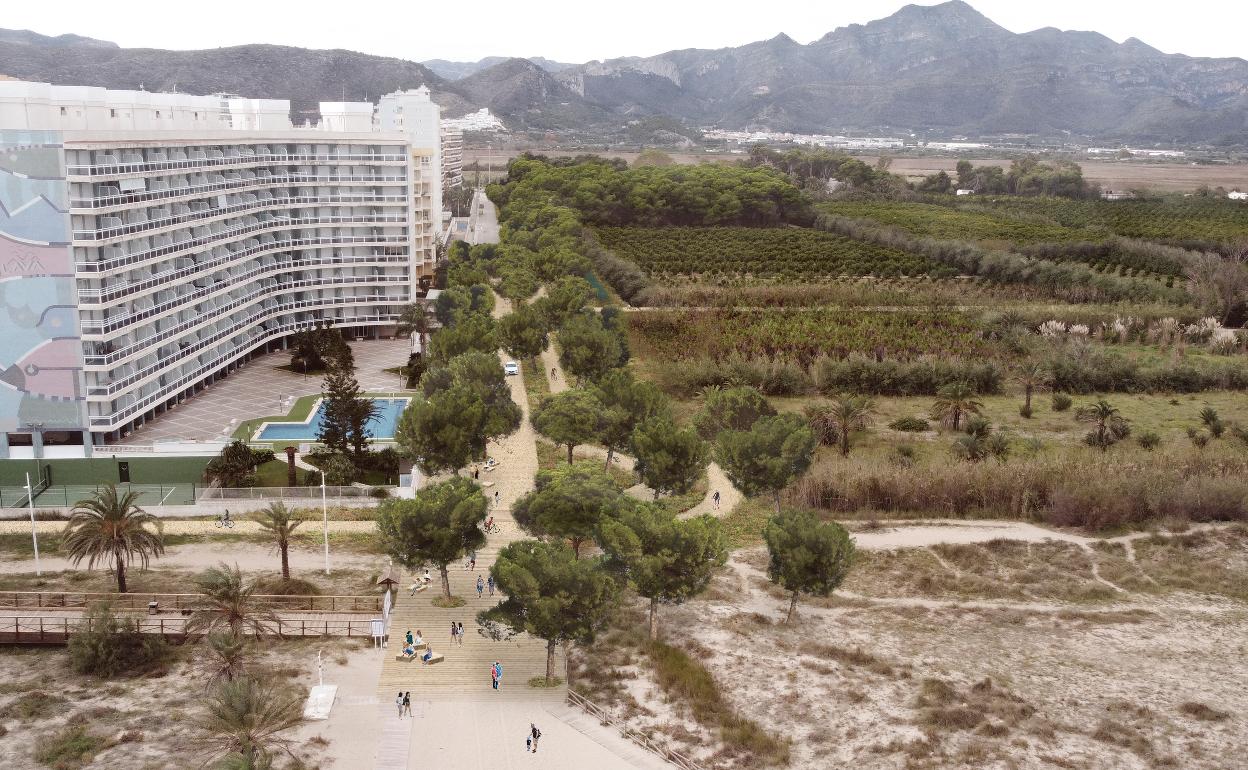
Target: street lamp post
[34,536]
[325,521]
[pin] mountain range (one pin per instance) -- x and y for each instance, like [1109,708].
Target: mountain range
[943,69]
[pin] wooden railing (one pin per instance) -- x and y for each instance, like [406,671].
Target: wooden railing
[54,630]
[605,718]
[140,601]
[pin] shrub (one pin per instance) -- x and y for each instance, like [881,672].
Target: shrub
[1061,402]
[339,471]
[910,424]
[1149,440]
[1024,411]
[380,493]
[1203,712]
[36,704]
[70,748]
[109,646]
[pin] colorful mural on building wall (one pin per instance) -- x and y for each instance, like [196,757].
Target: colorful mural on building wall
[40,351]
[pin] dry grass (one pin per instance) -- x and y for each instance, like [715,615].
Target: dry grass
[1203,712]
[999,569]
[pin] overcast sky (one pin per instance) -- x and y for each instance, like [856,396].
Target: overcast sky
[577,31]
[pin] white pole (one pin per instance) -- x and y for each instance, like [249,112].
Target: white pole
[325,521]
[320,669]
[34,536]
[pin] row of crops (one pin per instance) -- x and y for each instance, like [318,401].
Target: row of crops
[787,253]
[802,336]
[955,224]
[1168,220]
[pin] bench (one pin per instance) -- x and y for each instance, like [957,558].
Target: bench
[437,658]
[419,648]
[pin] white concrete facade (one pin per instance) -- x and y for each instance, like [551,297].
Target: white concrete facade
[414,114]
[195,249]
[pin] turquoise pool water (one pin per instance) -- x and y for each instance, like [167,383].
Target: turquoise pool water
[380,427]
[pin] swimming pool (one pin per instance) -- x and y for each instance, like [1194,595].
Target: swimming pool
[380,427]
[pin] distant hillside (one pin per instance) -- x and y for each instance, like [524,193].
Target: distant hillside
[304,76]
[454,70]
[944,69]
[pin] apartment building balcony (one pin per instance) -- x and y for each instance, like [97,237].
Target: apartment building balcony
[109,166]
[114,196]
[133,376]
[188,378]
[151,224]
[93,298]
[145,338]
[223,237]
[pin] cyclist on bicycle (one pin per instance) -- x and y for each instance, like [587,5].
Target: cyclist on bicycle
[489,524]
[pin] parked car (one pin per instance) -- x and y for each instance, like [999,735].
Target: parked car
[511,367]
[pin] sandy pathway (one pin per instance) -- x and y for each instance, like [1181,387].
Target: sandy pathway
[197,556]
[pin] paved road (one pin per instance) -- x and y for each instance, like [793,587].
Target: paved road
[483,221]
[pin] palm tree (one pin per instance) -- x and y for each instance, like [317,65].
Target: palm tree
[280,524]
[848,414]
[1032,376]
[225,657]
[1108,424]
[242,722]
[229,605]
[415,319]
[953,401]
[112,529]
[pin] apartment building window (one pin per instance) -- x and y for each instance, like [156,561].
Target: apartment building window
[112,113]
[158,114]
[64,111]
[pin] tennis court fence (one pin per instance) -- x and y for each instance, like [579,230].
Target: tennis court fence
[67,495]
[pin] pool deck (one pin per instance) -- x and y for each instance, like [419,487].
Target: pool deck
[257,390]
[258,434]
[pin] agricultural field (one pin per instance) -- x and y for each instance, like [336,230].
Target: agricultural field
[1166,220]
[959,222]
[803,336]
[788,253]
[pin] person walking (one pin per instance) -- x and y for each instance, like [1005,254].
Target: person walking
[472,560]
[496,675]
[715,499]
[461,634]
[454,632]
[480,586]
[535,734]
[399,702]
[476,474]
[407,705]
[554,373]
[490,583]
[496,498]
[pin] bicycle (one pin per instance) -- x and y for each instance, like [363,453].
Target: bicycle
[492,529]
[224,520]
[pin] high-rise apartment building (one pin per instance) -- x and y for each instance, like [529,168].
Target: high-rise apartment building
[151,243]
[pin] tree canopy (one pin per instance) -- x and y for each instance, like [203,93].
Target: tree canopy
[669,459]
[807,555]
[588,349]
[627,402]
[730,409]
[440,524]
[569,504]
[768,456]
[667,560]
[570,418]
[550,594]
